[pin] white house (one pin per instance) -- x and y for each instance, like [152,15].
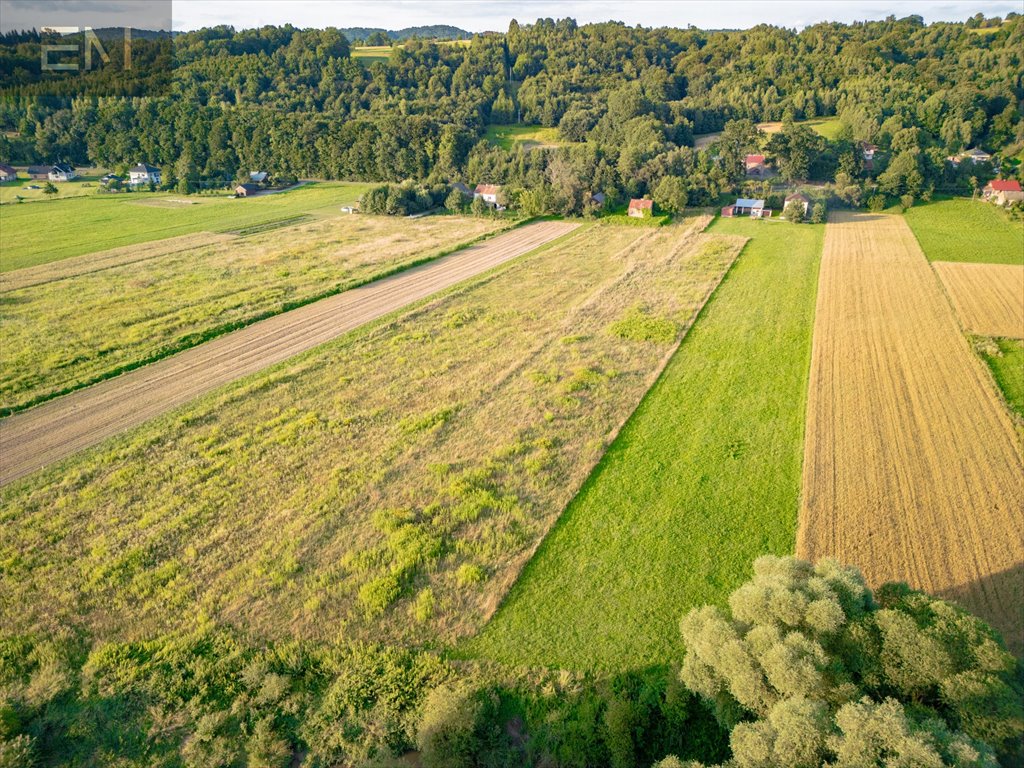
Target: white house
[62,172]
[797,199]
[747,206]
[1003,192]
[488,192]
[143,174]
[976,156]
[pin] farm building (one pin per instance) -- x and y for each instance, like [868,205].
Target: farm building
[7,173]
[640,209]
[61,172]
[1003,192]
[110,178]
[756,166]
[244,190]
[597,199]
[39,172]
[458,186]
[797,198]
[258,177]
[143,174]
[488,193]
[746,206]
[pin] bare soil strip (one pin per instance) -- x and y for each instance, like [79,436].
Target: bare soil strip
[988,298]
[42,435]
[912,470]
[115,257]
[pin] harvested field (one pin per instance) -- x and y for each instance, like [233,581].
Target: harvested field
[62,335]
[62,427]
[912,469]
[988,298]
[386,486]
[115,257]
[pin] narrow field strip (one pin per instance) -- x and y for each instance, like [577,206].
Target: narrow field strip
[703,477]
[65,335]
[64,426]
[988,298]
[912,469]
[388,484]
[96,262]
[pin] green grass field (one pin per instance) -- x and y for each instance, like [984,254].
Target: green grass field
[526,136]
[38,233]
[829,127]
[704,477]
[386,485]
[86,184]
[1005,358]
[967,230]
[368,54]
[67,333]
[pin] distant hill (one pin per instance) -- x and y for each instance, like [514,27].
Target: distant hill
[434,32]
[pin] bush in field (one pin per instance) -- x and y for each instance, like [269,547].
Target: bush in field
[906,201]
[794,212]
[876,203]
[455,202]
[819,213]
[809,668]
[446,736]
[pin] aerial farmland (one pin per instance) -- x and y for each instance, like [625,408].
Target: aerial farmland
[578,395]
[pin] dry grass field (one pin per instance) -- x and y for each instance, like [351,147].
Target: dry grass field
[63,334]
[387,485]
[912,469]
[988,298]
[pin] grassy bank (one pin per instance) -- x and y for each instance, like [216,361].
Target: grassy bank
[704,477]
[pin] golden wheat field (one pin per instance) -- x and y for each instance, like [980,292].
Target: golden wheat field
[912,469]
[988,298]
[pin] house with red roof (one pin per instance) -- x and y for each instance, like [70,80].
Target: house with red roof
[757,166]
[1003,192]
[640,209]
[489,193]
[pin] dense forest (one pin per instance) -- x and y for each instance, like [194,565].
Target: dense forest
[626,103]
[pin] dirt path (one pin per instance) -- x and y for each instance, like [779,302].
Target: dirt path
[912,470]
[42,435]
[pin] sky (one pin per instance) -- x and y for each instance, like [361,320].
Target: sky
[477,15]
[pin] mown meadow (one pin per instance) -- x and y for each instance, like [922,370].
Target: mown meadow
[967,230]
[28,235]
[388,485]
[66,333]
[704,477]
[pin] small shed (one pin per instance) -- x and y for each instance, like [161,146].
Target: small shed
[458,186]
[258,177]
[747,206]
[640,209]
[7,173]
[244,190]
[598,199]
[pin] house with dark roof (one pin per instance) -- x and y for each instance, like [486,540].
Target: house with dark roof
[640,209]
[7,173]
[797,199]
[597,199]
[1003,192]
[144,174]
[244,190]
[458,186]
[61,172]
[258,177]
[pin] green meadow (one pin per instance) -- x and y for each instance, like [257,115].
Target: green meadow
[1005,358]
[967,230]
[41,232]
[526,136]
[703,478]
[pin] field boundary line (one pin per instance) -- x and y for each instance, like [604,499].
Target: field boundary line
[652,379]
[191,341]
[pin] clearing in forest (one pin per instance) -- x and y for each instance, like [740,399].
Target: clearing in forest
[62,335]
[703,478]
[988,298]
[912,469]
[387,485]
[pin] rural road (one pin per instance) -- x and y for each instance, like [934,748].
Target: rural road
[61,427]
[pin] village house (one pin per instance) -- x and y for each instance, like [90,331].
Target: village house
[143,175]
[244,190]
[974,154]
[488,193]
[797,199]
[756,166]
[1003,192]
[746,206]
[258,177]
[867,151]
[640,209]
[7,173]
[56,172]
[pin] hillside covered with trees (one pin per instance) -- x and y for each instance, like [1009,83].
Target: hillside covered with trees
[627,103]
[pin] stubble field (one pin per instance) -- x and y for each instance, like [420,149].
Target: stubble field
[62,334]
[988,298]
[386,485]
[912,469]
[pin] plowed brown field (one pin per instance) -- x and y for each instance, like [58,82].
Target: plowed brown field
[912,469]
[988,298]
